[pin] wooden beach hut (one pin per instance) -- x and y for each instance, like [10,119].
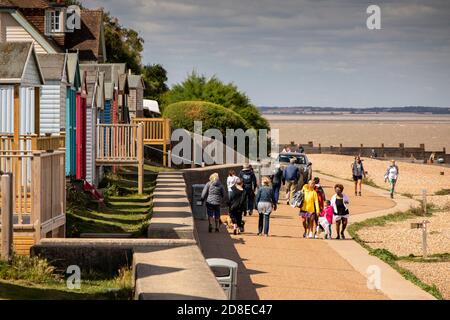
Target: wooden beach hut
[20,82]
[74,85]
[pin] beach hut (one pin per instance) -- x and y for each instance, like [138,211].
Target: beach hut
[136,96]
[54,93]
[80,130]
[20,81]
[94,105]
[74,84]
[124,91]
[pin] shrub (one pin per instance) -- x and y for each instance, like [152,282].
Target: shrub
[183,114]
[200,88]
[31,269]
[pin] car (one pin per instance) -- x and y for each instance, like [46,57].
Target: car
[301,161]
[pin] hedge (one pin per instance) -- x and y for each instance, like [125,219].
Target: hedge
[213,116]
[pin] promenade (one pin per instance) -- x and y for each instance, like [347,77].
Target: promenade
[287,266]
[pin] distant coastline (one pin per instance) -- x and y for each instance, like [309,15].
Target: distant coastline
[305,110]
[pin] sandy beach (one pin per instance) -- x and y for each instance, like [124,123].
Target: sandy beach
[412,180]
[369,130]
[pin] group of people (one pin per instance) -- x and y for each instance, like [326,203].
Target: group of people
[358,171]
[317,214]
[289,149]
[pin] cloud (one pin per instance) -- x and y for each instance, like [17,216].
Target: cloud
[317,43]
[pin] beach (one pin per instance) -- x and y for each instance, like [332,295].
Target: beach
[368,129]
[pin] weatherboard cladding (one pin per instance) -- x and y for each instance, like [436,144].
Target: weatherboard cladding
[17,33]
[91,116]
[50,108]
[6,109]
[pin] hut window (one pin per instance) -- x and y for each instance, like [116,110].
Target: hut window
[54,21]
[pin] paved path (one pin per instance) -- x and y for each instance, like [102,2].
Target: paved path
[286,266]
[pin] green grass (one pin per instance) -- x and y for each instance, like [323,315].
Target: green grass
[391,258]
[125,211]
[34,278]
[443,192]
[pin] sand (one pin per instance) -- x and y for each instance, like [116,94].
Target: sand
[412,180]
[401,240]
[437,273]
[370,130]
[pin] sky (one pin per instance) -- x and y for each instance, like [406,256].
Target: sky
[301,52]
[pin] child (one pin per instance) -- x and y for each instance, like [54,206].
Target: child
[326,219]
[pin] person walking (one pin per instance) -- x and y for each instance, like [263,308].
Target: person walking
[265,202]
[291,175]
[237,205]
[249,179]
[321,198]
[391,176]
[358,174]
[277,181]
[340,203]
[310,209]
[213,193]
[231,181]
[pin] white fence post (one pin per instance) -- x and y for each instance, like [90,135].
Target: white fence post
[7,216]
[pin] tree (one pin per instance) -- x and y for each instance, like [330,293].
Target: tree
[213,116]
[155,78]
[123,44]
[199,88]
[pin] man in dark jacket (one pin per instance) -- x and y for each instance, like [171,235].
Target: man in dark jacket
[291,175]
[277,181]
[249,183]
[237,205]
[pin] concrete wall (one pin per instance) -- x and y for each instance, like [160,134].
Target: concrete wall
[101,255]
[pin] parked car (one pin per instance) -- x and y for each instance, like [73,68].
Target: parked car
[441,160]
[301,161]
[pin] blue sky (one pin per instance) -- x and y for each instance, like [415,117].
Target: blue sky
[301,52]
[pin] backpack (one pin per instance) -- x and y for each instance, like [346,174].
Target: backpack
[297,201]
[247,178]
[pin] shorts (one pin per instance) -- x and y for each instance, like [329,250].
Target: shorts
[213,210]
[339,218]
[305,214]
[357,178]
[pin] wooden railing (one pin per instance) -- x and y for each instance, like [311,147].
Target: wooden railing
[31,142]
[39,192]
[156,130]
[117,143]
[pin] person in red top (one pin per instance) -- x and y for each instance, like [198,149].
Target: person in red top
[321,197]
[326,219]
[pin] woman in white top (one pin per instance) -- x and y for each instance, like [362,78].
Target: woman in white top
[340,203]
[391,176]
[231,181]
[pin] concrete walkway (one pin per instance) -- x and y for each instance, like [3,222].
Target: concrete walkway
[286,266]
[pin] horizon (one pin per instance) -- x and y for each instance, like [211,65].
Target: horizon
[304,52]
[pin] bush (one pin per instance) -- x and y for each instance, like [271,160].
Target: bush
[183,114]
[31,269]
[200,88]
